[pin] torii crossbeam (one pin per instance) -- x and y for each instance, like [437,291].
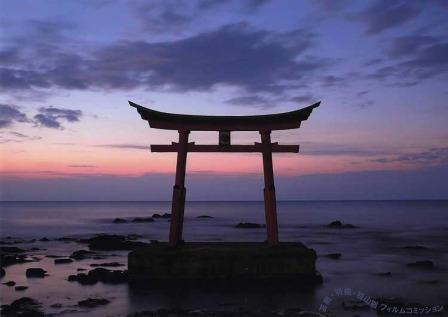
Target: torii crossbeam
[224,124]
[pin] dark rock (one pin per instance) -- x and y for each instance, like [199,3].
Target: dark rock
[35,272]
[44,239]
[384,273]
[82,254]
[107,264]
[24,307]
[81,269]
[57,305]
[119,220]
[10,283]
[12,250]
[67,239]
[415,247]
[339,225]
[114,242]
[422,264]
[2,272]
[10,259]
[20,288]
[143,219]
[100,275]
[248,225]
[63,261]
[334,256]
[93,302]
[204,217]
[165,215]
[52,256]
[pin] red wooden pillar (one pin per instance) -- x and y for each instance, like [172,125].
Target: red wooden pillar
[270,204]
[178,202]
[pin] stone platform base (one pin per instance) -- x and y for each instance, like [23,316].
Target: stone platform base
[225,261]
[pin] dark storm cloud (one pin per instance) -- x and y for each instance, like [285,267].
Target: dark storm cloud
[251,101]
[429,157]
[10,114]
[386,14]
[51,117]
[234,55]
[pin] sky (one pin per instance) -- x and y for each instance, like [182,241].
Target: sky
[68,69]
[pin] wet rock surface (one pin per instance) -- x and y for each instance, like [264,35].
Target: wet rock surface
[25,306]
[119,220]
[20,288]
[337,224]
[35,272]
[12,250]
[63,261]
[164,216]
[107,264]
[10,283]
[249,225]
[100,275]
[85,254]
[108,242]
[426,264]
[204,217]
[334,256]
[93,302]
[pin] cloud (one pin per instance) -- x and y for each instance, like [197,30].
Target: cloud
[251,101]
[10,114]
[303,98]
[51,117]
[233,55]
[385,14]
[81,166]
[125,146]
[435,156]
[416,58]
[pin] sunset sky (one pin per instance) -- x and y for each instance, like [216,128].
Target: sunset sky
[68,69]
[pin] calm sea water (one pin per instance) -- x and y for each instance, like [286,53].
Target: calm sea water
[385,228]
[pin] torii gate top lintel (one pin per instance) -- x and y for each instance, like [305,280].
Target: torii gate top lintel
[224,124]
[185,122]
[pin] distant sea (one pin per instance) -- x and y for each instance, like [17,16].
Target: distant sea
[375,247]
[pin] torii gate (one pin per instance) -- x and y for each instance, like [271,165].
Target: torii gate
[224,124]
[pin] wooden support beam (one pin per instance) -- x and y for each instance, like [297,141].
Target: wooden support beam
[257,147]
[179,191]
[270,203]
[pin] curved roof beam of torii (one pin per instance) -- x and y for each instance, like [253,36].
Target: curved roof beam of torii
[185,122]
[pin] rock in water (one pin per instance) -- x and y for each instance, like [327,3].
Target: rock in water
[337,224]
[427,264]
[2,272]
[334,256]
[10,283]
[108,242]
[119,220]
[25,307]
[165,215]
[63,261]
[100,275]
[93,302]
[248,225]
[204,217]
[35,272]
[20,288]
[82,254]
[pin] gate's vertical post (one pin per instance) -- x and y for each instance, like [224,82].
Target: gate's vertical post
[178,202]
[270,203]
